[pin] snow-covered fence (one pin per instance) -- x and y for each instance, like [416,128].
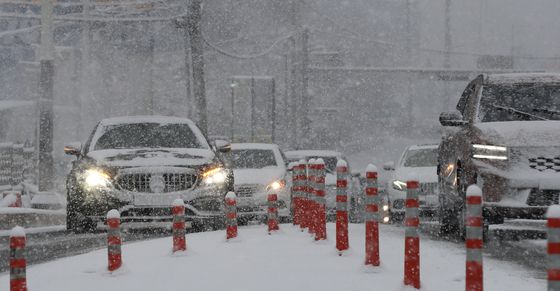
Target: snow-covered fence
[179,240]
[371,216]
[114,240]
[341,206]
[231,215]
[17,164]
[18,264]
[272,213]
[321,207]
[412,240]
[553,246]
[474,243]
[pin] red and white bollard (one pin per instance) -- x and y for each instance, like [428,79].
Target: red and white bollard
[231,215]
[320,202]
[272,213]
[114,240]
[178,211]
[371,217]
[18,264]
[553,248]
[412,240]
[304,204]
[341,206]
[311,186]
[473,241]
[298,186]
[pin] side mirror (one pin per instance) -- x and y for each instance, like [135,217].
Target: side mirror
[73,149]
[452,118]
[389,166]
[222,146]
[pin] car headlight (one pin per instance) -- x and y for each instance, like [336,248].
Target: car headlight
[214,176]
[95,178]
[385,207]
[489,152]
[399,185]
[276,185]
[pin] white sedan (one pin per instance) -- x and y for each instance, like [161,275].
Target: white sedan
[259,169]
[422,161]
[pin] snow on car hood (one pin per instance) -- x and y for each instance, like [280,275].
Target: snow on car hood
[521,133]
[152,157]
[424,174]
[262,176]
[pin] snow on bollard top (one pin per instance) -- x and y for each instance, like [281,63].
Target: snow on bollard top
[17,231]
[231,195]
[319,161]
[341,163]
[302,162]
[113,213]
[178,202]
[291,165]
[553,211]
[312,161]
[474,190]
[371,168]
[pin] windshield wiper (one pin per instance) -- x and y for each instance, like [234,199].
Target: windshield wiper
[513,110]
[547,111]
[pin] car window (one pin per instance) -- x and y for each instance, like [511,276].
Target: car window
[421,158]
[147,135]
[253,159]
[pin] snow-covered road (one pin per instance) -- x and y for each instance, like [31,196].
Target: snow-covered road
[288,260]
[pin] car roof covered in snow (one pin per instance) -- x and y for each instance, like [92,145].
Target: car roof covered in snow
[145,119]
[522,78]
[255,146]
[311,153]
[423,146]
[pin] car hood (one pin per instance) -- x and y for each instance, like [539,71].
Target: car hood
[520,133]
[263,176]
[424,174]
[152,157]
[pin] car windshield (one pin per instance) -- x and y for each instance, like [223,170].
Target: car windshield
[147,135]
[421,158]
[253,159]
[520,102]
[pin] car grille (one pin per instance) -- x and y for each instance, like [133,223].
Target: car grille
[428,188]
[545,164]
[246,190]
[140,182]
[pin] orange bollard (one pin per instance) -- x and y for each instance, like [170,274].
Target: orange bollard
[231,215]
[311,187]
[320,202]
[179,240]
[114,240]
[341,206]
[272,213]
[412,240]
[18,264]
[371,216]
[474,242]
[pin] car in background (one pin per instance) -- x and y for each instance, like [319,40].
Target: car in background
[331,158]
[505,138]
[139,165]
[420,160]
[259,169]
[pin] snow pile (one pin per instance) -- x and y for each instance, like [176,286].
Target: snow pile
[17,231]
[230,195]
[341,163]
[10,199]
[474,190]
[113,213]
[288,260]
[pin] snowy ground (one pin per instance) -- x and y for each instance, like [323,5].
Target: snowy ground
[288,260]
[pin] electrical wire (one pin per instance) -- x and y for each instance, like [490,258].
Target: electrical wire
[247,57]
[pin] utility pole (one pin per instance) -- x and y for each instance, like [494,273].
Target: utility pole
[46,98]
[194,17]
[304,108]
[85,63]
[447,57]
[410,103]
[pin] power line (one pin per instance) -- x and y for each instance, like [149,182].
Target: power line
[246,57]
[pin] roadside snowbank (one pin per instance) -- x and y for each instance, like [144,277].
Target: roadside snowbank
[287,260]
